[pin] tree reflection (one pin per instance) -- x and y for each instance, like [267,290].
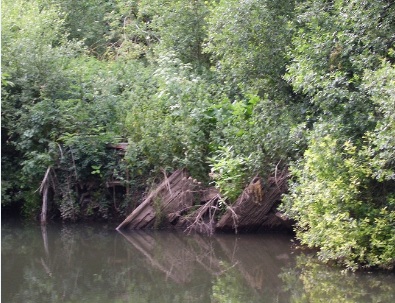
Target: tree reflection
[88,264]
[311,281]
[228,287]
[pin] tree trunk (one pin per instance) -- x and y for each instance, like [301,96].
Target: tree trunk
[44,208]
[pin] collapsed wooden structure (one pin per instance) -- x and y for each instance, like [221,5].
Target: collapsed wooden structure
[182,202]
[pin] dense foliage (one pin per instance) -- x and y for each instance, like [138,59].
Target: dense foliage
[343,190]
[228,89]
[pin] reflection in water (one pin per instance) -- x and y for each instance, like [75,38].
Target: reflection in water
[173,256]
[310,281]
[94,264]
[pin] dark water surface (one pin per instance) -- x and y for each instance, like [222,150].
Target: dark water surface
[91,263]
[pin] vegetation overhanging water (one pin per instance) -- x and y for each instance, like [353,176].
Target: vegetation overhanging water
[228,90]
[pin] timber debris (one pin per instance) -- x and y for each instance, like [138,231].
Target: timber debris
[183,203]
[255,209]
[165,204]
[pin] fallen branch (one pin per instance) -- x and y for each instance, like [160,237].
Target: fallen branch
[45,183]
[196,221]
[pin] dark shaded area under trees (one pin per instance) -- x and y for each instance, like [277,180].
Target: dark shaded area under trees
[226,90]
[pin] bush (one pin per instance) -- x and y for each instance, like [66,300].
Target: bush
[333,202]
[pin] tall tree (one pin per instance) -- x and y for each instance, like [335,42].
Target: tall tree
[180,27]
[334,43]
[343,190]
[35,52]
[248,41]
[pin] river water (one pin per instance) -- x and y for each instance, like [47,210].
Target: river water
[92,263]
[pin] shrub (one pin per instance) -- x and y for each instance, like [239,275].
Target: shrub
[333,202]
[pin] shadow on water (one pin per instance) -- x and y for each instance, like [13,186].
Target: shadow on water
[80,263]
